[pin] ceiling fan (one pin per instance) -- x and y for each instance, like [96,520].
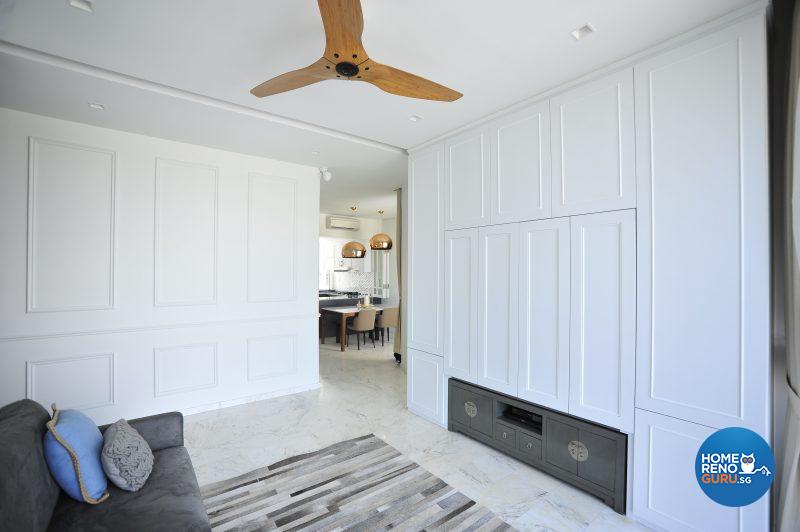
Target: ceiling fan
[346,59]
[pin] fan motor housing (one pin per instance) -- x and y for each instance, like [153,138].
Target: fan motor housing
[346,69]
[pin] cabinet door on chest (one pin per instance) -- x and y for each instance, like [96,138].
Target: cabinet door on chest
[544,278]
[461,304]
[497,307]
[603,324]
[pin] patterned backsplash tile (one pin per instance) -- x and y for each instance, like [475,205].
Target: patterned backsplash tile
[362,282]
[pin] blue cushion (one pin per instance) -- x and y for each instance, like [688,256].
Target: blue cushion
[72,448]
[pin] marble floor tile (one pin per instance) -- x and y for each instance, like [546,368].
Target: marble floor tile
[364,392]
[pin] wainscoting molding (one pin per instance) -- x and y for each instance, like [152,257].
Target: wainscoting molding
[271,357]
[70,376]
[79,277]
[178,375]
[172,254]
[168,326]
[271,238]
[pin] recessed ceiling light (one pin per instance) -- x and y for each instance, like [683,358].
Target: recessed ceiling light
[314,152]
[98,106]
[83,5]
[415,118]
[583,31]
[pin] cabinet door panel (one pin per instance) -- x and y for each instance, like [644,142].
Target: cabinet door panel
[520,174]
[426,386]
[425,251]
[593,146]
[461,304]
[603,324]
[665,489]
[558,436]
[703,231]
[497,307]
[544,312]
[466,191]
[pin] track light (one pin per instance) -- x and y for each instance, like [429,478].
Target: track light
[325,174]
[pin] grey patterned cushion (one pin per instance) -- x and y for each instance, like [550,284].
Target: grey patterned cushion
[126,457]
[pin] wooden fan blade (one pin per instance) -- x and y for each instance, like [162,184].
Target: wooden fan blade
[344,25]
[396,81]
[319,71]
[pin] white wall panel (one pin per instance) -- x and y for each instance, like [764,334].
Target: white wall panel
[63,381]
[271,238]
[71,200]
[114,193]
[185,233]
[271,357]
[184,368]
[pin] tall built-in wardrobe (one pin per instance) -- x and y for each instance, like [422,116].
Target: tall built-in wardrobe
[604,252]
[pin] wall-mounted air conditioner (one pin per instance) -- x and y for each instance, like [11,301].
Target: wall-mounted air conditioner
[343,222]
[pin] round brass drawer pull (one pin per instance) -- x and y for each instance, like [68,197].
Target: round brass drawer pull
[578,451]
[471,409]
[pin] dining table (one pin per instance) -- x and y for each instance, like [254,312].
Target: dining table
[343,313]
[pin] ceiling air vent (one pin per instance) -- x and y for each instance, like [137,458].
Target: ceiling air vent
[344,222]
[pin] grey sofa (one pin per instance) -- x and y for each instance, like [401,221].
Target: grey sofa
[30,500]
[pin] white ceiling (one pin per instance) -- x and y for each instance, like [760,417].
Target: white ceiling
[496,53]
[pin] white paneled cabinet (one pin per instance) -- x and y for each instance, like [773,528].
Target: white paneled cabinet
[593,146]
[425,388]
[498,253]
[466,183]
[622,258]
[603,323]
[544,284]
[704,231]
[424,316]
[520,171]
[665,489]
[461,304]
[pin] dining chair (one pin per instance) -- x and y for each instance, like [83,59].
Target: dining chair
[388,318]
[364,322]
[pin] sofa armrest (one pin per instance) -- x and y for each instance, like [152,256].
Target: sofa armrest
[161,431]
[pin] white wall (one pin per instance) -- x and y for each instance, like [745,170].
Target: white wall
[141,275]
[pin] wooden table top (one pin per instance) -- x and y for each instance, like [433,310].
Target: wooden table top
[348,310]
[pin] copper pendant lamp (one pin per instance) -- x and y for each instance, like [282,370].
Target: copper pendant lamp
[380,242]
[353,250]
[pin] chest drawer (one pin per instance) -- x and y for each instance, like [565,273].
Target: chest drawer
[505,435]
[529,446]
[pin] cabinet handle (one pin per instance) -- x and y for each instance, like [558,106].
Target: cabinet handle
[530,445]
[471,409]
[505,435]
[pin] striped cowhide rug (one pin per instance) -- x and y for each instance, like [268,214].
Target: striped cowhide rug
[358,484]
